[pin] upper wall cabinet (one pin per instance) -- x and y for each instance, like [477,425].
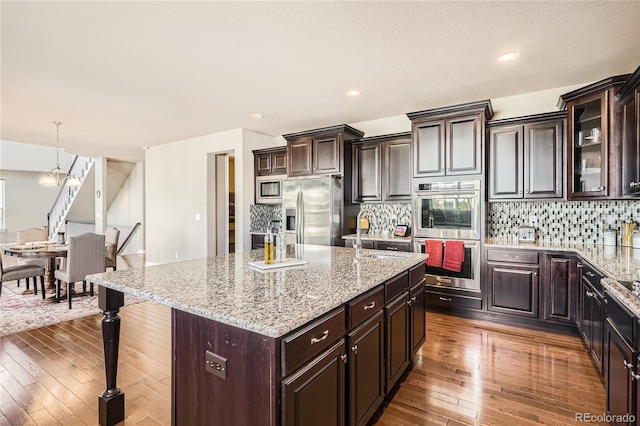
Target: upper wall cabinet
[449,141]
[628,98]
[270,161]
[525,157]
[320,151]
[594,145]
[380,168]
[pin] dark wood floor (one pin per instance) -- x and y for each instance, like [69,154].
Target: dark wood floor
[468,372]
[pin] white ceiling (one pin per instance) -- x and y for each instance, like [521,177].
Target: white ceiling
[124,74]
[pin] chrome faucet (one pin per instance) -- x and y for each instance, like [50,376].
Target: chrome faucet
[357,244]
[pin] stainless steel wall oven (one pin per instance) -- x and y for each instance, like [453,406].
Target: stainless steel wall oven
[469,276]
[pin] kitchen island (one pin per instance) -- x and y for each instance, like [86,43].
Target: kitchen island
[273,347]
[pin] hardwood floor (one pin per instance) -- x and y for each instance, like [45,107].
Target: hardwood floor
[468,372]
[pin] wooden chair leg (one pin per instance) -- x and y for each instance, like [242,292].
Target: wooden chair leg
[69,286]
[42,287]
[58,284]
[18,283]
[35,285]
[84,286]
[27,280]
[91,289]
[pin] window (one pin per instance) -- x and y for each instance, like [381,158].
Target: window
[2,228]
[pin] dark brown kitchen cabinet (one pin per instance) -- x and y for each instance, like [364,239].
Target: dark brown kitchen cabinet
[397,339]
[316,393]
[628,99]
[591,313]
[594,146]
[525,157]
[560,289]
[381,244]
[320,151]
[367,244]
[620,372]
[366,369]
[380,168]
[417,314]
[512,282]
[270,161]
[449,141]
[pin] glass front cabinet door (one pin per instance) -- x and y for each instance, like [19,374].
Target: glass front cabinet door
[588,142]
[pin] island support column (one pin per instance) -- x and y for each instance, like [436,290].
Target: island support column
[111,402]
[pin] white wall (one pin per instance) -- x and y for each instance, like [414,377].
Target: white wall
[530,103]
[128,208]
[176,190]
[27,202]
[29,157]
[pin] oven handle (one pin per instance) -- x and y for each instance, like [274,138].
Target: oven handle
[457,193]
[467,243]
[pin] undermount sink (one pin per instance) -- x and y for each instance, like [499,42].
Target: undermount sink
[384,256]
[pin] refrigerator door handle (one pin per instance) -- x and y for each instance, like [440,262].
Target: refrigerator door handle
[301,218]
[298,218]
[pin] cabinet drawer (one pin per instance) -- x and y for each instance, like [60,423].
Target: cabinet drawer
[512,256]
[301,346]
[387,245]
[453,301]
[395,286]
[364,306]
[416,274]
[620,316]
[592,276]
[367,244]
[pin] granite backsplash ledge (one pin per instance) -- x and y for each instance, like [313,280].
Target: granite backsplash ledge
[564,221]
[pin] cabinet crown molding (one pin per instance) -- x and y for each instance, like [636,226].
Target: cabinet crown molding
[383,138]
[596,87]
[348,132]
[269,150]
[554,115]
[478,106]
[629,86]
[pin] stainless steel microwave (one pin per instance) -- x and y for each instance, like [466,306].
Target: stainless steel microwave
[269,189]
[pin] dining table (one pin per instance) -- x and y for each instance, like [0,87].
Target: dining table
[45,250]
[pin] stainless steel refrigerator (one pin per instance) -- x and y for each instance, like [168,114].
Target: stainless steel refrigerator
[312,210]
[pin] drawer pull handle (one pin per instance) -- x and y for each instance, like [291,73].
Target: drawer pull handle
[445,299]
[323,336]
[511,256]
[444,280]
[369,306]
[391,248]
[590,274]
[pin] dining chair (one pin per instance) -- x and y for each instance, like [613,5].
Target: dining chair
[27,236]
[14,273]
[111,236]
[85,256]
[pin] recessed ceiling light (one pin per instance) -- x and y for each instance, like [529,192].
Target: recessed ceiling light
[353,92]
[508,56]
[256,116]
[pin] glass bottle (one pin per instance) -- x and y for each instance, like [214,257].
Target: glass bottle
[268,248]
[281,248]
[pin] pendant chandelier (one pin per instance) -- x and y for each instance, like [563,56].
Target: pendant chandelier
[57,176]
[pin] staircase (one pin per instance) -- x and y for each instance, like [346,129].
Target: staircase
[80,167]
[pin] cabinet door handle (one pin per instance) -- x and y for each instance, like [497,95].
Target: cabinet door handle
[590,294]
[369,306]
[535,274]
[579,265]
[386,195]
[519,192]
[590,274]
[354,349]
[627,364]
[343,357]
[409,302]
[526,192]
[413,299]
[445,299]
[320,338]
[441,170]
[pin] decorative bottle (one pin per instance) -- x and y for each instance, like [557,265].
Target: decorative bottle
[268,248]
[281,248]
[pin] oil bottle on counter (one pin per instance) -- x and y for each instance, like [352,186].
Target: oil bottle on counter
[268,248]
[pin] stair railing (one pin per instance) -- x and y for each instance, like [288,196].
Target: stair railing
[129,238]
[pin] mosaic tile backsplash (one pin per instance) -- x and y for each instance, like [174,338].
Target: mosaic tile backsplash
[261,215]
[384,214]
[562,221]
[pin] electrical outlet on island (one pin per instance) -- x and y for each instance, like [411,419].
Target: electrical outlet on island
[533,220]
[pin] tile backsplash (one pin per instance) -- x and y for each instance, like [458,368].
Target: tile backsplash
[385,212]
[261,215]
[563,221]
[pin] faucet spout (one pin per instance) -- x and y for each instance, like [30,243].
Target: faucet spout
[357,244]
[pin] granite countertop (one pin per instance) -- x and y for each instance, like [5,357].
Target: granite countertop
[616,263]
[273,303]
[379,237]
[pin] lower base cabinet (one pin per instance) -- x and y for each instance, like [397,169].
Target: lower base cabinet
[620,375]
[397,339]
[366,370]
[417,313]
[315,395]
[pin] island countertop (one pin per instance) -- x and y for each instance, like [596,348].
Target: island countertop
[272,303]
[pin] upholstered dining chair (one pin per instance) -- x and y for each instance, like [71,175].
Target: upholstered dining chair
[27,236]
[14,273]
[85,256]
[111,236]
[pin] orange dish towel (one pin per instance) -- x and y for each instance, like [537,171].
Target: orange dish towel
[453,255]
[434,250]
